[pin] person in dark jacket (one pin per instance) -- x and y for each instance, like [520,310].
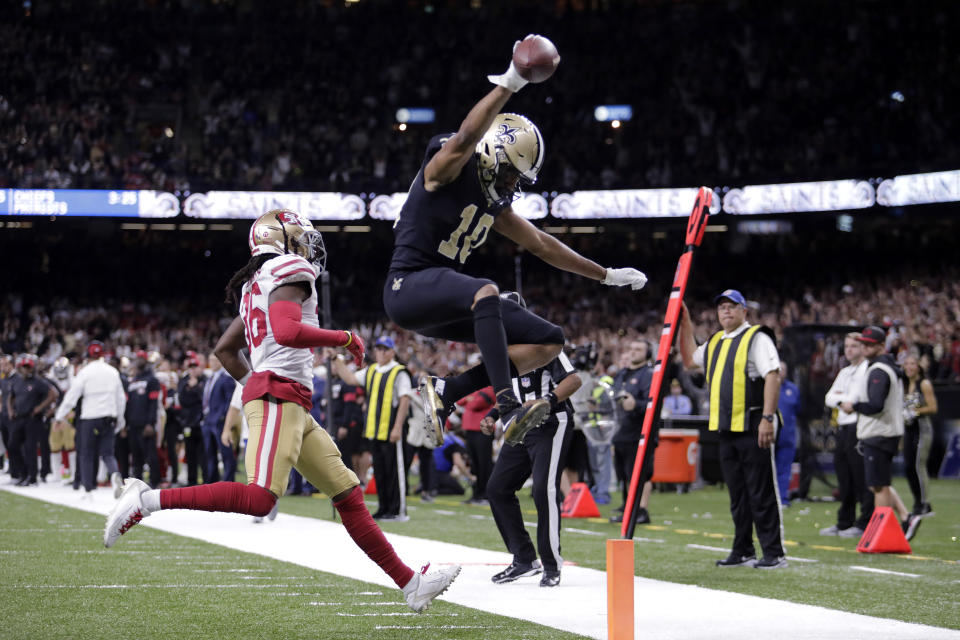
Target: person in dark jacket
[631,387]
[28,399]
[142,419]
[190,396]
[216,400]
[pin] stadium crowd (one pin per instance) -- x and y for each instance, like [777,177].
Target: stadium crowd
[214,103]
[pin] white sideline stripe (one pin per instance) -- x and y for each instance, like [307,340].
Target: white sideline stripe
[722,550]
[885,571]
[663,610]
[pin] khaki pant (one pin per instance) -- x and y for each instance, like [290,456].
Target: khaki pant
[283,435]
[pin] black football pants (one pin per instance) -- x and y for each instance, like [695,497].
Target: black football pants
[749,474]
[848,464]
[541,456]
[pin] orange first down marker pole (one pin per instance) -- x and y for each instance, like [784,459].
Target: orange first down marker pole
[619,589]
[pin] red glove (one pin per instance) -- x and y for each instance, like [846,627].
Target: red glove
[355,347]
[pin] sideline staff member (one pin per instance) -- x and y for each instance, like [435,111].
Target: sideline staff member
[880,425]
[387,385]
[742,369]
[101,416]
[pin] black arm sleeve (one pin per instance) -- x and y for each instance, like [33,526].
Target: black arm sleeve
[878,385]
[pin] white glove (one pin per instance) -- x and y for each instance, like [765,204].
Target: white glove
[627,276]
[511,78]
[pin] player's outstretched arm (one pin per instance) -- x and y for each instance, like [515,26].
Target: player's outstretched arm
[228,350]
[446,165]
[543,245]
[286,321]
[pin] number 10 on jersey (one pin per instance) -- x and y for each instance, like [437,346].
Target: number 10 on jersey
[450,247]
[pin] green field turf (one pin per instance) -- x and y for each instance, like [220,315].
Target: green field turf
[702,518]
[59,582]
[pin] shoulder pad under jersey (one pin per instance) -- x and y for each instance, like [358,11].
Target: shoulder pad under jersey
[287,269]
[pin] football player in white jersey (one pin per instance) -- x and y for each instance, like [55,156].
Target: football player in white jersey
[278,323]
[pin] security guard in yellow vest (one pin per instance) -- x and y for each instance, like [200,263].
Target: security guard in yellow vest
[387,386]
[742,369]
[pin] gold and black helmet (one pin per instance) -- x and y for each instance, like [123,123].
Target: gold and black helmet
[511,148]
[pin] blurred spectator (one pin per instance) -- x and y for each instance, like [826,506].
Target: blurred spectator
[676,404]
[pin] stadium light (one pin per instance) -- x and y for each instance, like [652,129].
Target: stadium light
[416,115]
[610,112]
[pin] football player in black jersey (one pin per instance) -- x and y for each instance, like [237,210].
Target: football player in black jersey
[464,188]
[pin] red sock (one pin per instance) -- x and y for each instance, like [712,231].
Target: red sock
[370,538]
[229,497]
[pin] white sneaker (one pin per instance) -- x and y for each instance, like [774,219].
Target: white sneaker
[424,587]
[832,530]
[852,532]
[116,481]
[128,511]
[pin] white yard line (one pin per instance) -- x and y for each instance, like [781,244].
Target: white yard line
[663,610]
[885,572]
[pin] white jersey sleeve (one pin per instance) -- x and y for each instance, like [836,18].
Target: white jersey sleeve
[265,353]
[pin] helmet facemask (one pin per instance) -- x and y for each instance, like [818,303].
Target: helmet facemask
[310,246]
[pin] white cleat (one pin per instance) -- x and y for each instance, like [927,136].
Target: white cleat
[424,587]
[128,511]
[116,481]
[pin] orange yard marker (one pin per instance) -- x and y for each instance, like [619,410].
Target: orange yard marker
[619,589]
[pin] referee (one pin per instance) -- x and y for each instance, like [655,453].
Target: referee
[742,370]
[540,455]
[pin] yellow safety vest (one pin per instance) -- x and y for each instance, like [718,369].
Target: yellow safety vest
[732,393]
[380,410]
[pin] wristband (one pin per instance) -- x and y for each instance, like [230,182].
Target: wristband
[243,380]
[554,401]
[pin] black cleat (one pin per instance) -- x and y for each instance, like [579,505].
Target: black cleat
[518,570]
[643,516]
[910,526]
[736,560]
[436,414]
[519,420]
[550,578]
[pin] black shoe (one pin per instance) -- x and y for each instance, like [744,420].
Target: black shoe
[737,560]
[910,526]
[433,408]
[923,509]
[518,570]
[27,482]
[642,516]
[550,578]
[771,563]
[519,420]
[426,497]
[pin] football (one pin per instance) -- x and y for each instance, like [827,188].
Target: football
[536,59]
